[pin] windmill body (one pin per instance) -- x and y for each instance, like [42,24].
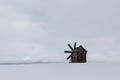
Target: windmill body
[78,54]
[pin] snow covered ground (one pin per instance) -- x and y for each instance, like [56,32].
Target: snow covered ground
[61,71]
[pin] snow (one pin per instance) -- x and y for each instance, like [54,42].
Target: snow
[61,71]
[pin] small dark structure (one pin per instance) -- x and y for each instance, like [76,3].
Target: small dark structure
[78,54]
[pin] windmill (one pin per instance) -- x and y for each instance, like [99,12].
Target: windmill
[77,54]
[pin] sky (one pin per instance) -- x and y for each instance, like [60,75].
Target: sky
[41,29]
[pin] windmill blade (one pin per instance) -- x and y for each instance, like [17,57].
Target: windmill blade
[70,47]
[69,57]
[74,45]
[68,51]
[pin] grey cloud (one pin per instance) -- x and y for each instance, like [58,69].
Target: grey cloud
[40,28]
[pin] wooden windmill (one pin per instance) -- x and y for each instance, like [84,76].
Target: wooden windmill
[78,54]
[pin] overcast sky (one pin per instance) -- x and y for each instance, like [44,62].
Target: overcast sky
[43,28]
